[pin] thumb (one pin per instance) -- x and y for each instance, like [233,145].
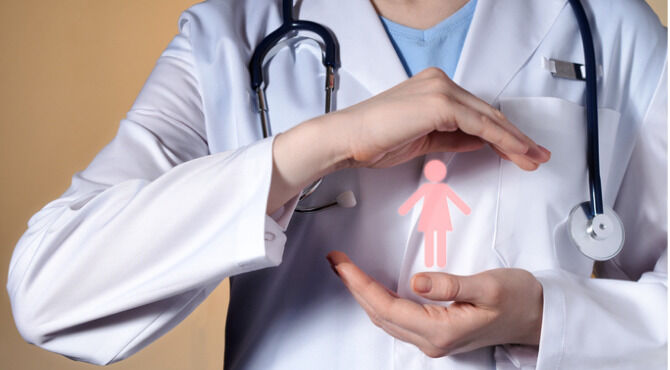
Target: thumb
[440,286]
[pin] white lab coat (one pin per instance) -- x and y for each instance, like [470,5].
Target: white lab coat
[176,202]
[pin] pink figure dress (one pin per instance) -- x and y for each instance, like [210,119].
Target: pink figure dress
[435,211]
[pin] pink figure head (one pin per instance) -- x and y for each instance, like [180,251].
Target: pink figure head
[435,170]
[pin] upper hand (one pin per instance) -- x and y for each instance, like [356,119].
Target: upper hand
[428,113]
[424,114]
[493,307]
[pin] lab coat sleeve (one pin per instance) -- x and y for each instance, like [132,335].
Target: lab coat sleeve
[619,320]
[147,230]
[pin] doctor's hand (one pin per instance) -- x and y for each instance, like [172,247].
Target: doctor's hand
[429,113]
[424,114]
[493,307]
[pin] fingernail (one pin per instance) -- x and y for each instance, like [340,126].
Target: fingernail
[538,154]
[545,150]
[422,284]
[332,266]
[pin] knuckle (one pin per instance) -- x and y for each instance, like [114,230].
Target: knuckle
[485,120]
[437,84]
[381,313]
[498,140]
[451,287]
[487,127]
[498,114]
[443,286]
[435,72]
[440,103]
[485,123]
[444,100]
[448,123]
[446,111]
[440,99]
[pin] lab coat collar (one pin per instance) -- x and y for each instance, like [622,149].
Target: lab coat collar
[502,36]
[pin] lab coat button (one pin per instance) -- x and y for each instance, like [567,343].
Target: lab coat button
[269,236]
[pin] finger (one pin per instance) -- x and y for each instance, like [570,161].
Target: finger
[448,88]
[500,153]
[440,286]
[478,124]
[536,152]
[402,312]
[391,328]
[457,141]
[522,161]
[409,337]
[421,341]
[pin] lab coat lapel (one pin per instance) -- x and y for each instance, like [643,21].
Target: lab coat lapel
[366,53]
[501,38]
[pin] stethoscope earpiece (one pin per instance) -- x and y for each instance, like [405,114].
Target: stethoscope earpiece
[345,199]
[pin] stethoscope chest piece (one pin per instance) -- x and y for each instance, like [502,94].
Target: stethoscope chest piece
[599,237]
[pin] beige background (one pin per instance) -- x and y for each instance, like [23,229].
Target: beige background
[69,71]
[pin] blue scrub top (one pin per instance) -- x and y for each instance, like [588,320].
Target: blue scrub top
[439,46]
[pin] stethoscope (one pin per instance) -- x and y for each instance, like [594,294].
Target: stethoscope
[594,227]
[268,47]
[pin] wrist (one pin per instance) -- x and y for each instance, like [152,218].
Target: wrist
[529,311]
[328,136]
[303,154]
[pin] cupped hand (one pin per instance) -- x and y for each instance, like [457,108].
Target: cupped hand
[430,113]
[493,307]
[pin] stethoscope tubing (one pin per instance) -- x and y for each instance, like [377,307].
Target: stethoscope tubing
[593,156]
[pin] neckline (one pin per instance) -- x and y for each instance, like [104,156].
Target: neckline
[462,15]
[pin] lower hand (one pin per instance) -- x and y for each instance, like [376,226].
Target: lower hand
[493,307]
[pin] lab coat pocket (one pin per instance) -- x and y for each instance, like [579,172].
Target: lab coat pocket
[533,206]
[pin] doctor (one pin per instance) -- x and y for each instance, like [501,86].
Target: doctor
[186,195]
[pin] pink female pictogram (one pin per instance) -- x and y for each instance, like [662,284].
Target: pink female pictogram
[435,212]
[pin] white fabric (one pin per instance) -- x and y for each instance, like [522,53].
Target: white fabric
[176,202]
